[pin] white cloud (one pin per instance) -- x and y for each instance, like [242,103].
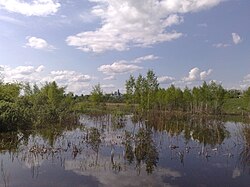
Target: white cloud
[130,23]
[196,75]
[33,8]
[221,45]
[124,66]
[40,68]
[118,68]
[193,75]
[87,17]
[165,80]
[22,74]
[107,86]
[246,82]
[236,38]
[247,78]
[145,58]
[172,19]
[38,43]
[69,76]
[74,81]
[112,77]
[205,74]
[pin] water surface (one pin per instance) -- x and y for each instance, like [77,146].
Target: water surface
[106,151]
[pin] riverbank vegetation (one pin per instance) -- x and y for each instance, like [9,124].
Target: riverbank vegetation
[25,106]
[209,98]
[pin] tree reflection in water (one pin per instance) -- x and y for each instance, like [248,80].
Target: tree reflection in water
[208,131]
[244,157]
[145,150]
[120,143]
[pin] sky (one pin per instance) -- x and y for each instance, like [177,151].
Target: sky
[80,43]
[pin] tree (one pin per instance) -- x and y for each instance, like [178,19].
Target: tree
[152,86]
[246,97]
[188,99]
[217,97]
[142,90]
[130,90]
[96,95]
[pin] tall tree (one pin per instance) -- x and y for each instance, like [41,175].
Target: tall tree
[96,95]
[130,90]
[152,87]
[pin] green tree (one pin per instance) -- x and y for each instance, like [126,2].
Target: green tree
[152,86]
[217,96]
[96,96]
[246,98]
[130,90]
[188,99]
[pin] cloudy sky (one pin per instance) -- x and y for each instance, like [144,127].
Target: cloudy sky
[80,43]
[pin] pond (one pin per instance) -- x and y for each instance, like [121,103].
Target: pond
[122,151]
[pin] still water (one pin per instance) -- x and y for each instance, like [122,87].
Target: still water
[121,151]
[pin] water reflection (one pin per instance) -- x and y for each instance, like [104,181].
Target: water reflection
[128,151]
[245,152]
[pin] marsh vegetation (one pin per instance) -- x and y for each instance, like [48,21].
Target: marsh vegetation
[155,135]
[101,152]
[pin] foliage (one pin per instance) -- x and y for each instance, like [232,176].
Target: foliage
[145,91]
[96,96]
[47,105]
[24,106]
[145,150]
[142,90]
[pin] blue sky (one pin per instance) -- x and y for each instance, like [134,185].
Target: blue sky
[80,43]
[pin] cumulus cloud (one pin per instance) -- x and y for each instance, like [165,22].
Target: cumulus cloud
[22,73]
[108,87]
[245,83]
[247,78]
[124,66]
[205,74]
[68,76]
[119,67]
[38,43]
[40,68]
[31,8]
[236,38]
[193,75]
[87,17]
[196,75]
[165,80]
[129,23]
[73,81]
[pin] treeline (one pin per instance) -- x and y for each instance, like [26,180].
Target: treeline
[23,106]
[209,98]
